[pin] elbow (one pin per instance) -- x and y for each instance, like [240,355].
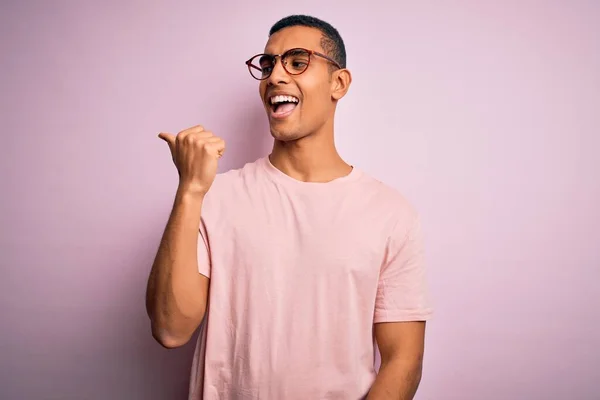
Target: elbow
[171,343]
[173,332]
[167,339]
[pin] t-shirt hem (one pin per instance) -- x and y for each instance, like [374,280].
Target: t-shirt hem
[205,273]
[403,316]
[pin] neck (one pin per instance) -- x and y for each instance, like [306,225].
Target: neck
[313,158]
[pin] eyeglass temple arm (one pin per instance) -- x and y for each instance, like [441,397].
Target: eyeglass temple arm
[248,63]
[328,59]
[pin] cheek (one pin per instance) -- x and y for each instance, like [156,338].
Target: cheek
[316,97]
[262,88]
[317,104]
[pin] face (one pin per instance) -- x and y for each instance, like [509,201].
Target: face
[311,95]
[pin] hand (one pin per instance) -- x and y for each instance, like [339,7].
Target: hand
[195,153]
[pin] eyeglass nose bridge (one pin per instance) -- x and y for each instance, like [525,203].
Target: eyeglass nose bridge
[281,61]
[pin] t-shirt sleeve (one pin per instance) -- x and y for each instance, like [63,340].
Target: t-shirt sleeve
[204,263]
[402,291]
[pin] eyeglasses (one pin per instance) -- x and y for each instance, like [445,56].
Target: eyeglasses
[294,62]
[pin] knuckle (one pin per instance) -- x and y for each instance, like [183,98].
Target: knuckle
[190,139]
[195,128]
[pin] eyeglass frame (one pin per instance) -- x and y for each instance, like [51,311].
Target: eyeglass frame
[275,56]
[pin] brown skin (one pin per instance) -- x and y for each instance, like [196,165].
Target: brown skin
[401,345]
[304,143]
[176,295]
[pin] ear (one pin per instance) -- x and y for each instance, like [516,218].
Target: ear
[340,83]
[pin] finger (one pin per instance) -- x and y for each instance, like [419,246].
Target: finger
[191,136]
[169,138]
[196,128]
[218,144]
[216,149]
[212,139]
[193,129]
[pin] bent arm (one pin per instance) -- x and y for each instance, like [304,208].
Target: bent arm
[176,294]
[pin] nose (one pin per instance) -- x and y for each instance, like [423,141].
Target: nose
[278,74]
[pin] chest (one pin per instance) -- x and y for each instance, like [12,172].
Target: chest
[300,239]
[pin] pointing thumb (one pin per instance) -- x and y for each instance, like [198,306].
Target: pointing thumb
[170,139]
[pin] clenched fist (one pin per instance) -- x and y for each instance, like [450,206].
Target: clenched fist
[195,152]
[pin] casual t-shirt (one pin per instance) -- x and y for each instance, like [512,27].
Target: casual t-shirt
[299,273]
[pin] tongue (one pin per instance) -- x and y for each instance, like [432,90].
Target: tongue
[285,107]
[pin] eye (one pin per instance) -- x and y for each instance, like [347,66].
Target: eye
[299,64]
[265,62]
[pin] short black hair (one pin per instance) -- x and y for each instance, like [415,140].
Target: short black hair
[331,41]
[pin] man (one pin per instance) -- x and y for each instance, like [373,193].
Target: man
[301,260]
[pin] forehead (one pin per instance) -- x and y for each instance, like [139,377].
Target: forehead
[294,36]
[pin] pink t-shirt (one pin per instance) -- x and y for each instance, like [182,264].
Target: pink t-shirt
[299,273]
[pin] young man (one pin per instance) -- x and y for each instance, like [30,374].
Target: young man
[301,260]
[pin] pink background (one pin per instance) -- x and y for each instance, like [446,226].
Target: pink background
[484,113]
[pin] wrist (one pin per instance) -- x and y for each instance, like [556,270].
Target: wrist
[186,191]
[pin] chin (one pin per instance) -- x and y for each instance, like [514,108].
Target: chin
[285,135]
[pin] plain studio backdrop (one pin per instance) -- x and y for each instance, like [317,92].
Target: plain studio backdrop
[485,114]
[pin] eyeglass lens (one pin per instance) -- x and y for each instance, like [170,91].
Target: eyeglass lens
[295,61]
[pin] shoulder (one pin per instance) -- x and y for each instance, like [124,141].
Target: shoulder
[390,204]
[389,198]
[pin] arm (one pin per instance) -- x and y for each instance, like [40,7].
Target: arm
[401,345]
[177,293]
[401,308]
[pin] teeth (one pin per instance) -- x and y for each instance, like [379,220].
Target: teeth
[282,99]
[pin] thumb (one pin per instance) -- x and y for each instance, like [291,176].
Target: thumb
[170,139]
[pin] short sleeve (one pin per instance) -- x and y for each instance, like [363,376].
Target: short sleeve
[402,288]
[204,263]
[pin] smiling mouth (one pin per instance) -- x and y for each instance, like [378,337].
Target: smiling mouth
[282,106]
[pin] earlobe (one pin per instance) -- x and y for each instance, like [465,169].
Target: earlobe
[341,83]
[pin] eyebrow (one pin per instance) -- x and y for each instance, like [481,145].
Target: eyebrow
[270,53]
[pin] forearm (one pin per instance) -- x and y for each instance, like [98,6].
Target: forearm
[397,380]
[176,293]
